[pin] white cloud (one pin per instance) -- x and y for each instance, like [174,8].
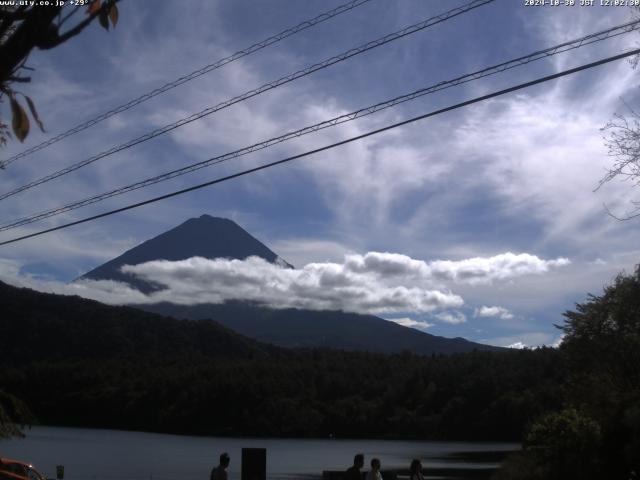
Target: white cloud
[542,154]
[389,167]
[411,323]
[558,342]
[472,271]
[523,340]
[300,251]
[521,345]
[372,283]
[499,267]
[495,311]
[375,283]
[317,286]
[453,318]
[105,291]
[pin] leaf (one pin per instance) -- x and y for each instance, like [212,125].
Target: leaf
[113,15]
[103,17]
[19,120]
[94,6]
[34,113]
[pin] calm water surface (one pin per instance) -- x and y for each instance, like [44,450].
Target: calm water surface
[89,454]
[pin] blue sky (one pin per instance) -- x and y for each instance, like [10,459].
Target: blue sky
[512,175]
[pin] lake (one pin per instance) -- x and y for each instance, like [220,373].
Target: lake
[90,454]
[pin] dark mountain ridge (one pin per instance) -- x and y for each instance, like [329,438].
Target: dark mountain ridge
[293,328]
[206,236]
[212,237]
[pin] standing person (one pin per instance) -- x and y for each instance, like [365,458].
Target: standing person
[220,472]
[353,472]
[415,470]
[374,473]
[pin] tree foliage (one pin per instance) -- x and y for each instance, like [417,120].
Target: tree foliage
[14,414]
[602,346]
[24,27]
[597,435]
[623,143]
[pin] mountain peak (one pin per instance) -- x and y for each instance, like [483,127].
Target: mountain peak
[214,237]
[207,217]
[205,236]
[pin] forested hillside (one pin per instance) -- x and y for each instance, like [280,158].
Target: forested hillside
[78,362]
[43,327]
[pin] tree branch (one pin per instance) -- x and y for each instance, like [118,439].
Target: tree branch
[79,27]
[18,14]
[27,34]
[69,15]
[628,216]
[20,79]
[8,18]
[38,29]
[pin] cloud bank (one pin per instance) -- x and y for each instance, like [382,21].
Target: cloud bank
[373,283]
[453,318]
[498,312]
[484,270]
[317,286]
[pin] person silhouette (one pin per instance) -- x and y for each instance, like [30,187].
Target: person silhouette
[353,472]
[220,472]
[415,470]
[374,473]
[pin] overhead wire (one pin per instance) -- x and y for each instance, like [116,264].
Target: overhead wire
[331,146]
[257,91]
[501,67]
[187,78]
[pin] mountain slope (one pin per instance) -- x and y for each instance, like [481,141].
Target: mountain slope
[211,237]
[39,326]
[294,328]
[206,236]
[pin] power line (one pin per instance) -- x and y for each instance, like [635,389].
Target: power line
[187,78]
[535,56]
[333,145]
[252,93]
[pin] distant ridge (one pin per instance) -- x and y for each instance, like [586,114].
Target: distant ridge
[293,328]
[212,237]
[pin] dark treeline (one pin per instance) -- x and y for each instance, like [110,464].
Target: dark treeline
[467,396]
